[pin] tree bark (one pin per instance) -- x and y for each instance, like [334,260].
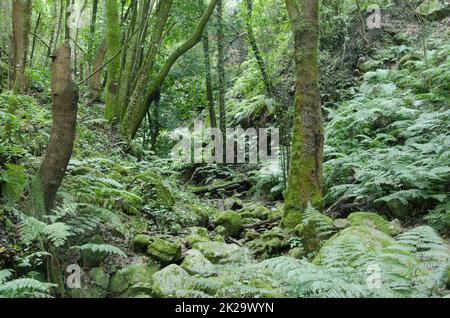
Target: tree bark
[305,173]
[136,111]
[64,107]
[95,82]
[113,69]
[208,80]
[21,22]
[221,72]
[255,48]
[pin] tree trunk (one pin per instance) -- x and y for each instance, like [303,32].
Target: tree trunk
[95,82]
[208,80]
[21,27]
[33,43]
[64,107]
[221,72]
[305,173]
[255,48]
[92,26]
[113,68]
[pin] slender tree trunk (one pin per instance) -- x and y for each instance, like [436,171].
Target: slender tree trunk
[208,80]
[33,43]
[60,21]
[113,68]
[221,72]
[255,48]
[92,26]
[21,28]
[95,82]
[136,112]
[305,173]
[52,31]
[64,106]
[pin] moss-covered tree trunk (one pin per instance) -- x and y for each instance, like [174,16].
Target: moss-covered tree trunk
[113,68]
[95,82]
[208,79]
[221,73]
[305,173]
[21,21]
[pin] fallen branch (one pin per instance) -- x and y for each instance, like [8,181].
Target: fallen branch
[224,186]
[262,223]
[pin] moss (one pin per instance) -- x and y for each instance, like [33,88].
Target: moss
[197,234]
[218,252]
[131,275]
[230,220]
[172,281]
[296,252]
[196,264]
[161,194]
[372,220]
[164,251]
[99,277]
[270,243]
[221,231]
[141,242]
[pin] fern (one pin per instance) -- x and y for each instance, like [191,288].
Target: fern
[102,249]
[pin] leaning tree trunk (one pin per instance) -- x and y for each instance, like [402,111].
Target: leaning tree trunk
[21,21]
[64,107]
[305,173]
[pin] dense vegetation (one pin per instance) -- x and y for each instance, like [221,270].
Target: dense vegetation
[355,205]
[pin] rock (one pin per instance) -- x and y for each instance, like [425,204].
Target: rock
[131,275]
[218,252]
[296,252]
[218,238]
[396,226]
[141,290]
[91,259]
[232,203]
[197,234]
[172,281]
[230,220]
[341,224]
[99,278]
[366,238]
[221,231]
[141,242]
[251,234]
[255,211]
[314,230]
[196,264]
[201,215]
[371,219]
[270,243]
[398,208]
[164,251]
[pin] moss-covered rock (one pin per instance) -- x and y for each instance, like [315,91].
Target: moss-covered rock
[173,281]
[314,230]
[341,224]
[164,251]
[196,264]
[99,277]
[218,252]
[230,220]
[141,242]
[366,238]
[222,231]
[141,290]
[371,219]
[232,203]
[255,211]
[131,275]
[270,243]
[296,252]
[434,9]
[197,234]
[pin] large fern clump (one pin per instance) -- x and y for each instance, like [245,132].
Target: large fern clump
[387,148]
[413,266]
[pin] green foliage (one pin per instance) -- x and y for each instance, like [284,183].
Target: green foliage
[101,249]
[22,287]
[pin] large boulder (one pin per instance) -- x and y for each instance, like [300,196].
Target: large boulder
[230,220]
[373,220]
[218,252]
[173,281]
[131,275]
[164,251]
[363,238]
[196,264]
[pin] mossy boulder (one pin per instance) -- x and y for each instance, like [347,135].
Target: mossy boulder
[196,264]
[197,234]
[164,251]
[296,252]
[341,224]
[255,211]
[218,252]
[222,231]
[141,290]
[141,242]
[373,220]
[364,237]
[232,203]
[99,278]
[230,220]
[173,281]
[314,231]
[122,280]
[271,242]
